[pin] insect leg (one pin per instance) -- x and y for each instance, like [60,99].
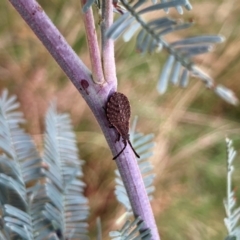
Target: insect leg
[133,149]
[125,144]
[118,137]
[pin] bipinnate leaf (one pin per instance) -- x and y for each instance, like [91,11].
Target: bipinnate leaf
[180,65]
[40,198]
[232,213]
[64,172]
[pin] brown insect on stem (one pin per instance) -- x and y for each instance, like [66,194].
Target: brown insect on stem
[118,113]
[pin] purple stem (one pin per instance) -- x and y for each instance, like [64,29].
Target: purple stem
[96,96]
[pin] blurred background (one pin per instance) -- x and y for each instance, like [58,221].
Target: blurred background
[190,125]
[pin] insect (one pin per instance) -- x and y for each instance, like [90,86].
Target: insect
[118,113]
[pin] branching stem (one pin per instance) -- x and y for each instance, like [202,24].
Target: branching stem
[96,96]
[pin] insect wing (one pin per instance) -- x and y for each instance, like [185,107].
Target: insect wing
[118,110]
[118,114]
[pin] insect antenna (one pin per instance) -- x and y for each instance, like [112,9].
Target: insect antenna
[133,149]
[125,144]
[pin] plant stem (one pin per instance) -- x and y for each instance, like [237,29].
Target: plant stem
[96,96]
[108,58]
[94,52]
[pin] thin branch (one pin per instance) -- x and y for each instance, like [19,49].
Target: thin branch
[96,96]
[94,52]
[108,58]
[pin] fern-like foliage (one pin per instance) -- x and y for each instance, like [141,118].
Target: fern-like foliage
[38,198]
[179,65]
[143,145]
[233,213]
[130,231]
[20,165]
[69,208]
